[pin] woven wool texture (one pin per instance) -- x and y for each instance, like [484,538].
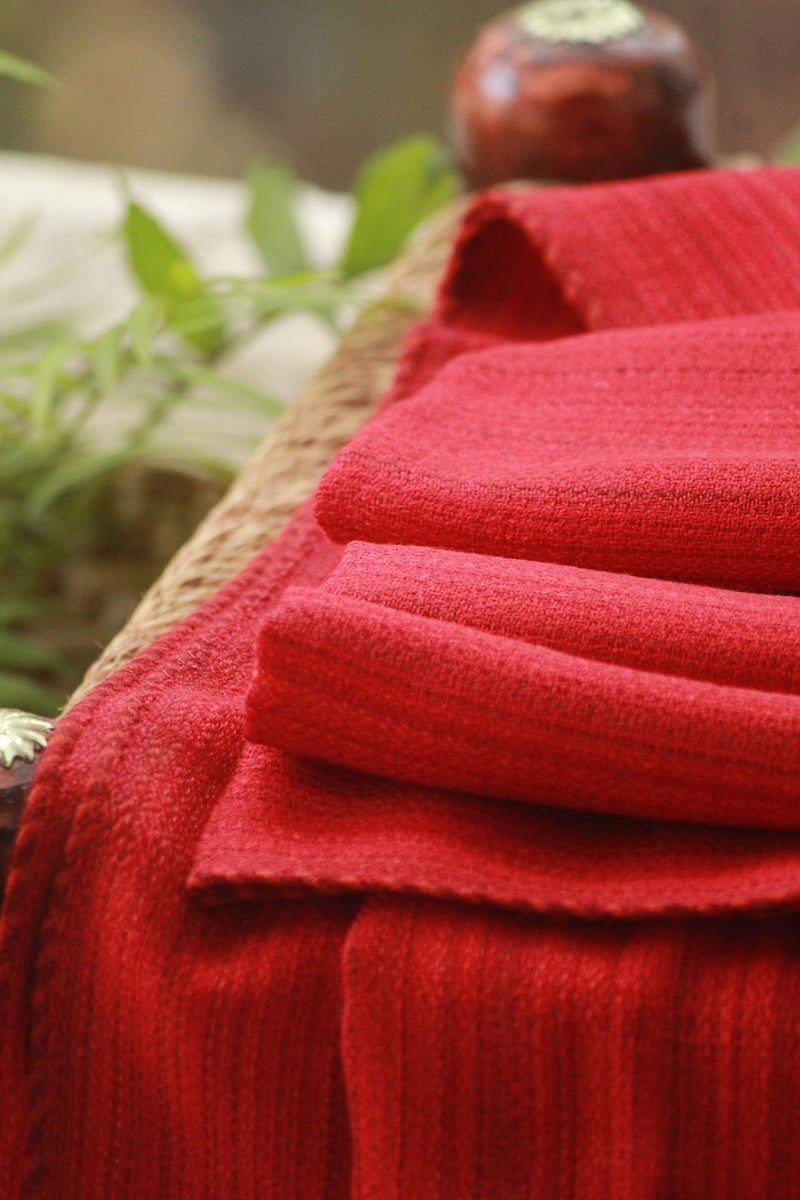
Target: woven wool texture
[226,972]
[670,452]
[454,704]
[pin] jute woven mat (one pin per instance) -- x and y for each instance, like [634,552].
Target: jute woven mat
[287,466]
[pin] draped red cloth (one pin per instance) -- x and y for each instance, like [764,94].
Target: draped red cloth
[227,970]
[669,452]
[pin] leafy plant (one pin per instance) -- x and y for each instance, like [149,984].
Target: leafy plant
[61,456]
[787,152]
[395,190]
[14,67]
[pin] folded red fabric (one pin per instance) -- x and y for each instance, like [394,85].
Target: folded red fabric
[285,825]
[292,827]
[443,704]
[559,261]
[668,451]
[147,1047]
[591,245]
[319,1046]
[738,639]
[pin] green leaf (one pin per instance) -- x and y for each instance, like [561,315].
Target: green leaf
[16,691]
[235,388]
[396,189]
[787,152]
[14,611]
[14,67]
[164,271]
[143,325]
[18,653]
[46,381]
[306,293]
[106,360]
[30,337]
[181,459]
[200,320]
[271,222]
[72,474]
[159,264]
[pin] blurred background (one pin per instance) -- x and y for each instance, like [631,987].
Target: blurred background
[207,86]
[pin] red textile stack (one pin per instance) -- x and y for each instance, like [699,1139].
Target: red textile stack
[231,972]
[669,452]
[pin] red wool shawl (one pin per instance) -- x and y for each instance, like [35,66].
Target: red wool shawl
[231,972]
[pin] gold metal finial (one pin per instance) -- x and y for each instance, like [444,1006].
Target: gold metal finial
[21,735]
[580,20]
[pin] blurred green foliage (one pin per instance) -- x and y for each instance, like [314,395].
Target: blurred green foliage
[54,472]
[787,152]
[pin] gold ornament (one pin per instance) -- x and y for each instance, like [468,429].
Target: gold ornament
[21,735]
[591,21]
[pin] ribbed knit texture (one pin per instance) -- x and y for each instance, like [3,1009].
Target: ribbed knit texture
[229,974]
[490,1055]
[567,260]
[684,247]
[588,716]
[150,1049]
[669,451]
[732,638]
[292,827]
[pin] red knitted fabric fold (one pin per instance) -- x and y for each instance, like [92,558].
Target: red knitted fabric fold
[669,451]
[490,1055]
[147,1047]
[559,261]
[446,705]
[315,1038]
[291,827]
[682,247]
[738,639]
